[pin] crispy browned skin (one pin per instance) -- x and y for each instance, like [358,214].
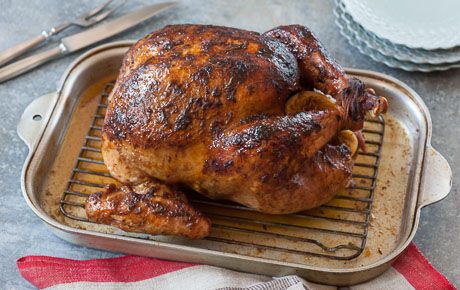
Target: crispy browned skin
[319,71]
[150,207]
[204,106]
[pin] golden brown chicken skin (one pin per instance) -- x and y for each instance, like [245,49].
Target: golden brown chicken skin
[204,106]
[150,207]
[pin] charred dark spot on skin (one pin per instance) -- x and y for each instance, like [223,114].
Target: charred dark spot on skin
[157,208]
[151,192]
[231,97]
[162,116]
[216,128]
[217,102]
[131,200]
[281,175]
[228,164]
[284,61]
[264,178]
[202,75]
[253,118]
[250,89]
[217,165]
[175,89]
[215,92]
[206,45]
[250,137]
[164,45]
[285,131]
[183,120]
[94,199]
[344,150]
[190,57]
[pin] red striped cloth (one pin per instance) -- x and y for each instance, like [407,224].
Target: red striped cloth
[410,271]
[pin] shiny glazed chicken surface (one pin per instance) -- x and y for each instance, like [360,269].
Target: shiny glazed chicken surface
[150,207]
[205,107]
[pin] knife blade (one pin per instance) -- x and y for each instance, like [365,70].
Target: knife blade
[83,39]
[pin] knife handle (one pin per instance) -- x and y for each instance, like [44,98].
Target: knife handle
[28,63]
[22,47]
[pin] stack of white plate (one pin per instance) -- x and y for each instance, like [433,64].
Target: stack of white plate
[412,35]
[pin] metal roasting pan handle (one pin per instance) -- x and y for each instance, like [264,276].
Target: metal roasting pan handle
[34,119]
[436,178]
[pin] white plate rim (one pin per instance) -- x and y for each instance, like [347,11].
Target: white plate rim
[431,40]
[396,51]
[391,62]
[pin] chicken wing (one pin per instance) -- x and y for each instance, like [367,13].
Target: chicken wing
[150,207]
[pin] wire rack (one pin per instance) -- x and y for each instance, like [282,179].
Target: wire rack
[337,230]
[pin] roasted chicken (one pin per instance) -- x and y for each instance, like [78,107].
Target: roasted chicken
[150,207]
[232,114]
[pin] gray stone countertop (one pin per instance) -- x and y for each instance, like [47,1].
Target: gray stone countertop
[22,233]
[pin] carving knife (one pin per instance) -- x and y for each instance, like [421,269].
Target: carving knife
[83,39]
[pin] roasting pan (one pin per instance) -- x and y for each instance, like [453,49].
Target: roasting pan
[348,241]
